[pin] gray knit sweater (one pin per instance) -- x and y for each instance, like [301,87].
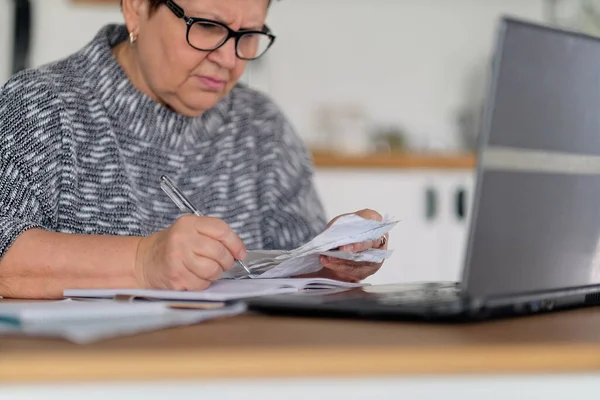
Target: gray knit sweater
[82,151]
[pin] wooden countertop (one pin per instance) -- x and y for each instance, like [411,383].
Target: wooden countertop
[395,161]
[253,346]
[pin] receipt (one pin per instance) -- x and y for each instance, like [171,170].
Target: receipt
[348,229]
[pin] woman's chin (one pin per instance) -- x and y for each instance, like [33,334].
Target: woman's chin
[195,107]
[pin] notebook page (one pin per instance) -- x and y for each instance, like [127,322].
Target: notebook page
[222,290]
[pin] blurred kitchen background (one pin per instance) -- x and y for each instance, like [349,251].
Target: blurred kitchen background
[387,93]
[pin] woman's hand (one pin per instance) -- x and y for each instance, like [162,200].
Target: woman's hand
[188,255]
[351,271]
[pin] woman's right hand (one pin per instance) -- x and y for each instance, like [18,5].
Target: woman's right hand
[188,255]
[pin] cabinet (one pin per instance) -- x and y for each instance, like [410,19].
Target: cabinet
[455,191]
[429,241]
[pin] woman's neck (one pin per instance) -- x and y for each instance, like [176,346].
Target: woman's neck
[124,55]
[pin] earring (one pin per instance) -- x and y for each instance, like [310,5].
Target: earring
[132,38]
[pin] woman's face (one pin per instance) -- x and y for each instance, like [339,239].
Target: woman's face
[190,81]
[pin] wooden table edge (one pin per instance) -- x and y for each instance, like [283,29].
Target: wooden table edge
[296,363]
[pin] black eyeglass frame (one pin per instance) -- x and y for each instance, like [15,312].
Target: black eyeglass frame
[189,21]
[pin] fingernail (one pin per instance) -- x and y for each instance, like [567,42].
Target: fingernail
[242,254]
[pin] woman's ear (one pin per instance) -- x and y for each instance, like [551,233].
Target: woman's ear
[135,13]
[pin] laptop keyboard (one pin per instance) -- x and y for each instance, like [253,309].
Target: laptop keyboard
[422,297]
[425,295]
[409,299]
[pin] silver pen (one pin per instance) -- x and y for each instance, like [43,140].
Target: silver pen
[186,205]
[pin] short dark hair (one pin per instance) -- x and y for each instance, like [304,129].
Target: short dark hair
[155,3]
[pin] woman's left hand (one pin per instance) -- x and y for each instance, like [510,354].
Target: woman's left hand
[352,271]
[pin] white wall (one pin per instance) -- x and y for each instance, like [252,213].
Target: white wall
[62,27]
[6,28]
[408,62]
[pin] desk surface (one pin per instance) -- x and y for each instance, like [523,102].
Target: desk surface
[270,347]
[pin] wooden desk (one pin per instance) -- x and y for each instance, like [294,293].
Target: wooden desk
[278,347]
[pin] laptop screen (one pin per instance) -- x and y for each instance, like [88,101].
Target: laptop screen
[536,219]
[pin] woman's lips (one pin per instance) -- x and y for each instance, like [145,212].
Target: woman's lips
[212,83]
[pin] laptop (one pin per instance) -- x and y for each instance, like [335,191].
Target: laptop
[534,234]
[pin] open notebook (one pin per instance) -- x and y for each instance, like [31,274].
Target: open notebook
[222,290]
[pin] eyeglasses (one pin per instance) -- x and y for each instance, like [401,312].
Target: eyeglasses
[208,35]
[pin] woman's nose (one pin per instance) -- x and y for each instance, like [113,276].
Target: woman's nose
[225,55]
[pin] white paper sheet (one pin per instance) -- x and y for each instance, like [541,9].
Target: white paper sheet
[349,229]
[93,328]
[31,312]
[370,255]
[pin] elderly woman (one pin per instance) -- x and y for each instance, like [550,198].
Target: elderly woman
[85,140]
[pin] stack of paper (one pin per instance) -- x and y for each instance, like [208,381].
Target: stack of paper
[85,322]
[348,229]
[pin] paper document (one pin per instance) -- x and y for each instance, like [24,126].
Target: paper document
[221,290]
[85,322]
[348,229]
[370,255]
[23,313]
